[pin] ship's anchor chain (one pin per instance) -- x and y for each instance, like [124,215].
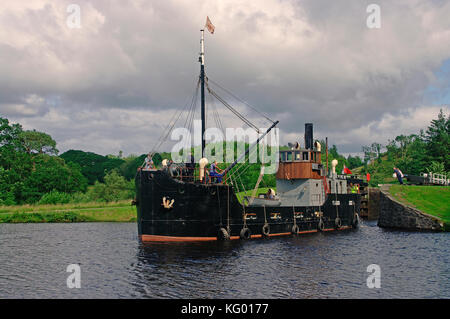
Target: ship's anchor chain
[295,228]
[266,227]
[167,203]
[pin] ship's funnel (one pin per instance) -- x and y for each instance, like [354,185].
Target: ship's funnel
[333,166]
[309,135]
[203,162]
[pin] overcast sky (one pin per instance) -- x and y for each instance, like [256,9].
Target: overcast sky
[115,82]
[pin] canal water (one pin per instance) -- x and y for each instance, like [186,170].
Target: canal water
[113,264]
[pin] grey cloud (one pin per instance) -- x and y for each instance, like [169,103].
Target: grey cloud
[298,61]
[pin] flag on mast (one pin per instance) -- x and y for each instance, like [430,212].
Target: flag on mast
[209,25]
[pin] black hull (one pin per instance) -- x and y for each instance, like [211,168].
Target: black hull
[201,212]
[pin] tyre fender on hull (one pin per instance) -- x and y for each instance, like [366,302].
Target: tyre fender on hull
[295,229]
[338,222]
[321,224]
[266,230]
[355,222]
[223,234]
[245,233]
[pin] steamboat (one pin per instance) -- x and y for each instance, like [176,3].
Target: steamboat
[188,202]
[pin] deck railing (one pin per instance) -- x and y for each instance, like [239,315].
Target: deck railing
[434,178]
[189,174]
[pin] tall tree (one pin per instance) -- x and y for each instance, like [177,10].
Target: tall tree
[38,142]
[9,134]
[369,154]
[10,145]
[437,137]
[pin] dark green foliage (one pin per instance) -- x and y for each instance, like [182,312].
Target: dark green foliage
[129,168]
[93,166]
[333,154]
[353,162]
[9,135]
[415,153]
[27,172]
[55,197]
[115,188]
[38,142]
[437,138]
[50,174]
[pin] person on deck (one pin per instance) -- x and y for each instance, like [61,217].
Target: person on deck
[213,172]
[349,188]
[148,162]
[399,174]
[190,167]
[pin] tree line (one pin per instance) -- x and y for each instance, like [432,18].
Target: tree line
[424,152]
[31,171]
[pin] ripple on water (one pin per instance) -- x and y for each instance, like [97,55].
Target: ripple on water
[114,264]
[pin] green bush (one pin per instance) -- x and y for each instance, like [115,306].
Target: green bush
[55,197]
[115,188]
[7,199]
[79,197]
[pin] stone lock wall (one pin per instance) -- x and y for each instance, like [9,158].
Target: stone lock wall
[394,214]
[374,203]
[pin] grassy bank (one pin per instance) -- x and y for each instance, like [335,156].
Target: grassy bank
[87,212]
[433,200]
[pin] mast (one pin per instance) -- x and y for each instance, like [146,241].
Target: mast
[202,82]
[326,147]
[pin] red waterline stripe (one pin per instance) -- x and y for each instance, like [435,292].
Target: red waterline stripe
[158,238]
[173,238]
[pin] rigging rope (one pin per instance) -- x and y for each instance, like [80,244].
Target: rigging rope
[190,117]
[238,167]
[256,110]
[166,132]
[190,108]
[235,112]
[261,174]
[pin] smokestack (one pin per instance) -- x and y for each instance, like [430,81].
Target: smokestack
[308,135]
